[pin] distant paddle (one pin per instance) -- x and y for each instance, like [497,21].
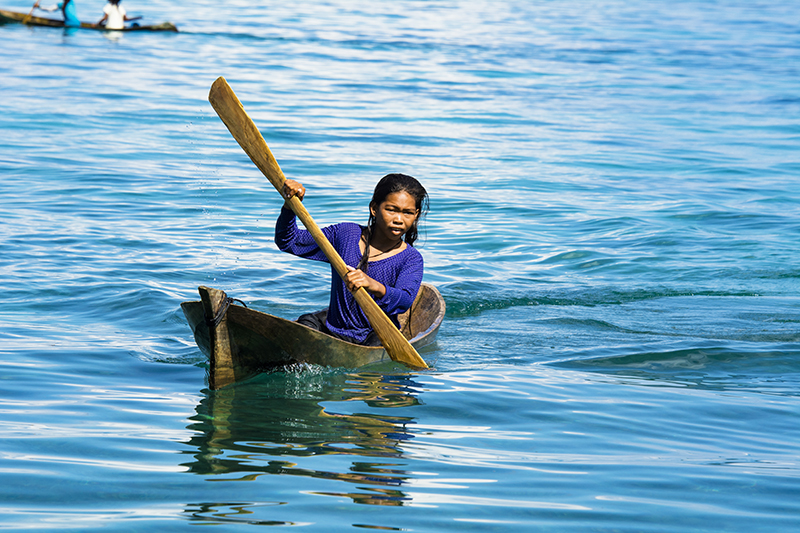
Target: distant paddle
[28,17]
[241,126]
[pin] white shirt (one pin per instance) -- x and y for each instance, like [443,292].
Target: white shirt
[116,16]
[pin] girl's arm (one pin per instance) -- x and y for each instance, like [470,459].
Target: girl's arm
[401,296]
[292,239]
[50,9]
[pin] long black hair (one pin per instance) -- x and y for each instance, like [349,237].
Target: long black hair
[392,183]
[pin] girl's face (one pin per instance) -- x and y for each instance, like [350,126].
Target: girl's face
[395,215]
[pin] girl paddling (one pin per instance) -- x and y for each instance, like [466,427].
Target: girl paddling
[67,8]
[380,256]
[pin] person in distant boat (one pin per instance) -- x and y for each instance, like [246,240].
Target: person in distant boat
[67,8]
[114,16]
[380,256]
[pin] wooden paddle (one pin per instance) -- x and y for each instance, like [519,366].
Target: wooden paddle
[28,17]
[241,126]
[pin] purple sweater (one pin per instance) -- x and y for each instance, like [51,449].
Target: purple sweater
[401,274]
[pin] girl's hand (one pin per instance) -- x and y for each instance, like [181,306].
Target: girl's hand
[356,279]
[293,188]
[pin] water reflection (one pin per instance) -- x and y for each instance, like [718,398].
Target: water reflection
[268,425]
[113,36]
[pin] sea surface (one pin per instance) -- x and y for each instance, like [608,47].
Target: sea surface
[614,225]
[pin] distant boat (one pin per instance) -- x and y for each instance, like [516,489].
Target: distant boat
[241,342]
[24,18]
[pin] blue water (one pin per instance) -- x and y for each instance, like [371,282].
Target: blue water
[615,226]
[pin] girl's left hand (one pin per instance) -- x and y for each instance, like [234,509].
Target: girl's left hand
[356,279]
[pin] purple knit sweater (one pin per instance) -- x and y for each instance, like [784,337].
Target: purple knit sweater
[401,274]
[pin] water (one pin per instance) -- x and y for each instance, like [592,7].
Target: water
[615,226]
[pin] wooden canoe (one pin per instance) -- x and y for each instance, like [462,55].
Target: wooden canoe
[241,342]
[24,18]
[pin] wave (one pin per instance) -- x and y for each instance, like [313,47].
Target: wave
[757,367]
[463,302]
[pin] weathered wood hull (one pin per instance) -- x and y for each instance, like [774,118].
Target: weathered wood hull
[244,341]
[24,18]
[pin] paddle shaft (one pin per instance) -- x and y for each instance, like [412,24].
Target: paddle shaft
[26,19]
[244,130]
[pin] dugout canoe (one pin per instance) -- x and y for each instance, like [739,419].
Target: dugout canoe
[24,18]
[241,342]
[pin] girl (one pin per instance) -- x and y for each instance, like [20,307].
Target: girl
[114,16]
[67,8]
[380,256]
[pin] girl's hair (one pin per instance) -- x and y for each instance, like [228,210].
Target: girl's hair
[392,183]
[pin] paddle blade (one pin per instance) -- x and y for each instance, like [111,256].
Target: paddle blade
[244,130]
[395,343]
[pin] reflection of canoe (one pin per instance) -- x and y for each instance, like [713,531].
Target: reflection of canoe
[241,342]
[278,424]
[11,16]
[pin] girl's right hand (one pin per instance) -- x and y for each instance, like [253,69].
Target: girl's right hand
[293,188]
[355,279]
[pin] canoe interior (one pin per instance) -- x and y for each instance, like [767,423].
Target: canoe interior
[12,16]
[261,342]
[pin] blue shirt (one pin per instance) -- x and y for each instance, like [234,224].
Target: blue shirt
[70,15]
[401,274]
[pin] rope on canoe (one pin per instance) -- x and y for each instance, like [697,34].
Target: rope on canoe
[226,303]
